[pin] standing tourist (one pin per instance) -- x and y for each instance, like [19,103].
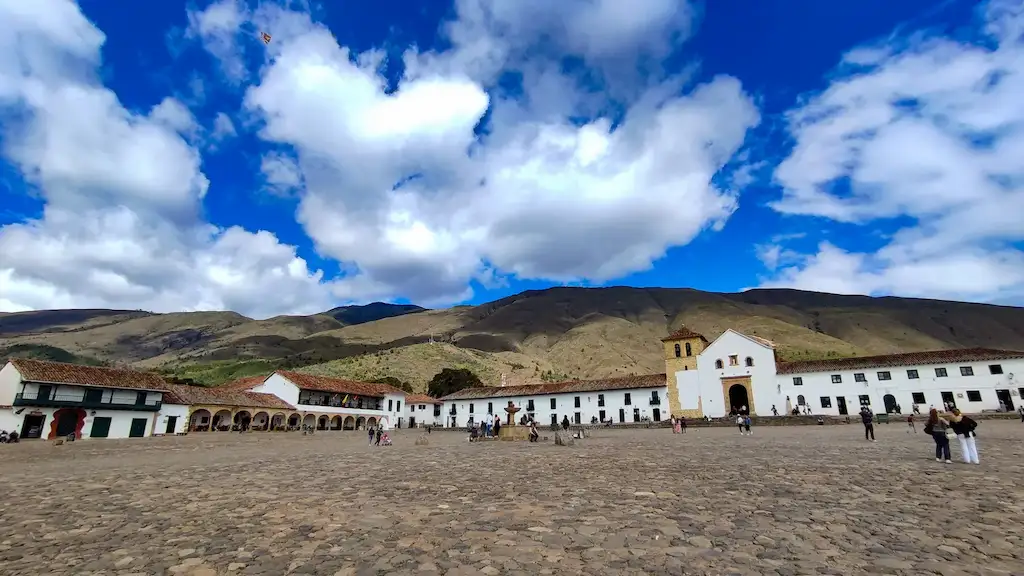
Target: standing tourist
[964,427]
[739,423]
[746,425]
[936,426]
[370,433]
[869,426]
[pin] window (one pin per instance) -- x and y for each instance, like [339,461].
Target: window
[749,361]
[718,364]
[912,374]
[423,406]
[859,377]
[826,402]
[995,369]
[398,406]
[390,403]
[490,407]
[973,396]
[798,381]
[837,379]
[966,371]
[553,404]
[940,373]
[918,397]
[577,402]
[865,400]
[600,400]
[679,351]
[470,408]
[734,360]
[800,400]
[412,407]
[884,376]
[689,352]
[529,405]
[629,399]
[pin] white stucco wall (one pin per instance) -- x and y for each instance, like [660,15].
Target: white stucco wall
[762,374]
[819,384]
[120,421]
[565,405]
[392,408]
[168,411]
[423,414]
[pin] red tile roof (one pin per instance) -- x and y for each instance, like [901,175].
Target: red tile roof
[420,399]
[217,396]
[567,387]
[896,360]
[243,384]
[97,376]
[338,385]
[683,333]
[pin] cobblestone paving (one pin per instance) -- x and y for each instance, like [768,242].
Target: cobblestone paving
[789,500]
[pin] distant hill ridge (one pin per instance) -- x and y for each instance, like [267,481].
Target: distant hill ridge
[531,337]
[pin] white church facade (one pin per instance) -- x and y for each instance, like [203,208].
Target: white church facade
[738,371]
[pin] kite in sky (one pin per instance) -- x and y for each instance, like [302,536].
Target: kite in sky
[266,37]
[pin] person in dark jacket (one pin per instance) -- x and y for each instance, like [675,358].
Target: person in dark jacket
[869,423]
[936,428]
[964,427]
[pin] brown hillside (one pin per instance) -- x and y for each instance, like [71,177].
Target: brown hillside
[536,335]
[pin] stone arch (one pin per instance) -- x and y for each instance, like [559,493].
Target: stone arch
[718,364]
[360,423]
[371,422]
[349,423]
[277,421]
[294,420]
[689,350]
[242,419]
[336,423]
[221,420]
[322,422]
[800,401]
[679,350]
[738,397]
[749,361]
[309,420]
[200,420]
[261,421]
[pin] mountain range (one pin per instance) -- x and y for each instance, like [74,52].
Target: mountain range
[535,336]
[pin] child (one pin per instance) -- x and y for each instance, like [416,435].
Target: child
[910,425]
[739,423]
[385,440]
[746,426]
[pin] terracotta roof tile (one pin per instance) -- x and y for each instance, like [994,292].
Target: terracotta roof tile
[420,399]
[683,333]
[567,387]
[217,396]
[243,384]
[338,385]
[895,360]
[97,376]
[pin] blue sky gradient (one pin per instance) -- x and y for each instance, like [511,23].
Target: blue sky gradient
[830,185]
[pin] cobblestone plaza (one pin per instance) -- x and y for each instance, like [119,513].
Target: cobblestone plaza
[788,500]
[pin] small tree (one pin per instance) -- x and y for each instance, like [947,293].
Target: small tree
[451,380]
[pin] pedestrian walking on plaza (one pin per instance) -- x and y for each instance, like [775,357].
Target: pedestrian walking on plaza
[775,411]
[739,423]
[911,428]
[964,427]
[869,426]
[746,425]
[380,431]
[1021,410]
[370,433]
[936,427]
[682,425]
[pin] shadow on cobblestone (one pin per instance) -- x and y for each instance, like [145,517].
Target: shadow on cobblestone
[789,500]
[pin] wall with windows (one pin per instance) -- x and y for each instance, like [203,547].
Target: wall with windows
[390,414]
[581,407]
[970,386]
[420,415]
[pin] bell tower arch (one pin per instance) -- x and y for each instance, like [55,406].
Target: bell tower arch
[681,349]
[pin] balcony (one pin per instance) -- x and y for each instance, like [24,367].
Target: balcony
[655,401]
[77,401]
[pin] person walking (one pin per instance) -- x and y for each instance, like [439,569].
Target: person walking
[911,428]
[739,423]
[936,427]
[370,433]
[746,425]
[964,427]
[869,425]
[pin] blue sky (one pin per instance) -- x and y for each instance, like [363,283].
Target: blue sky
[160,156]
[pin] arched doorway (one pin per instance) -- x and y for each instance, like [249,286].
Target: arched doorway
[293,421]
[277,421]
[309,421]
[200,421]
[738,397]
[261,421]
[371,423]
[321,423]
[65,422]
[243,420]
[360,423]
[222,420]
[336,423]
[350,423]
[890,403]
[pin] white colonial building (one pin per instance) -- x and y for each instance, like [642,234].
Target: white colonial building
[422,410]
[54,400]
[738,372]
[621,400]
[335,402]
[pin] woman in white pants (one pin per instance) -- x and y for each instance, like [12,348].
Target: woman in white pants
[964,428]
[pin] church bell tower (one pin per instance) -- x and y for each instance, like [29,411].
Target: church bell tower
[681,350]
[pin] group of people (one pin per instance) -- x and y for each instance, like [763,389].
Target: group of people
[956,425]
[486,428]
[377,436]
